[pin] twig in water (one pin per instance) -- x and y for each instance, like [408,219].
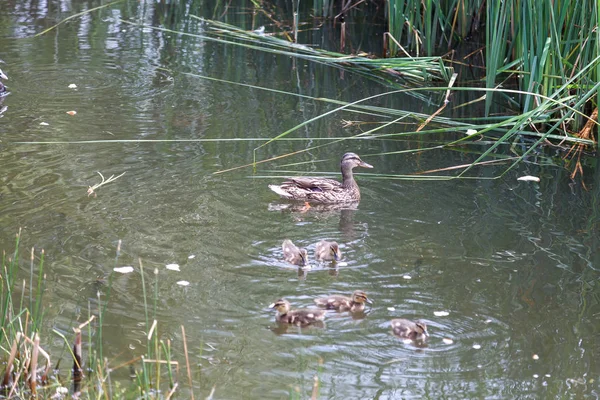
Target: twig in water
[91,189]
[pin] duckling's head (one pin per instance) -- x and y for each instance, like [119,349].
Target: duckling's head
[304,255]
[2,75]
[421,328]
[351,160]
[282,306]
[360,297]
[335,251]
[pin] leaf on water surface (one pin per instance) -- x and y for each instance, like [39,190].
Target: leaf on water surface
[123,270]
[407,277]
[173,267]
[71,112]
[476,346]
[183,283]
[72,86]
[391,309]
[528,178]
[191,256]
[44,123]
[447,340]
[441,313]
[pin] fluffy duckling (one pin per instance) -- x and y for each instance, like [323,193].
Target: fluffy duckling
[294,254]
[301,316]
[2,87]
[356,303]
[327,251]
[405,328]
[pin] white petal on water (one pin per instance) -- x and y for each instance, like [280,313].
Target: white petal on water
[173,267]
[191,256]
[391,309]
[535,357]
[441,313]
[342,264]
[407,277]
[536,376]
[44,123]
[528,178]
[476,346]
[183,283]
[470,132]
[447,340]
[123,270]
[547,375]
[72,86]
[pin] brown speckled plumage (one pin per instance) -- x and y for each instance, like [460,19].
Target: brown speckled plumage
[294,254]
[301,316]
[356,303]
[325,190]
[407,329]
[327,251]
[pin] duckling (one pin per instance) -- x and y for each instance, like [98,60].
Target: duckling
[327,251]
[356,303]
[2,87]
[301,316]
[325,190]
[293,254]
[410,330]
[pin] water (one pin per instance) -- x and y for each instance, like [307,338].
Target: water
[514,264]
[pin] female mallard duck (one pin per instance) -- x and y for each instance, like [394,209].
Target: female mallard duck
[2,87]
[410,330]
[327,251]
[301,316]
[294,254]
[324,190]
[356,303]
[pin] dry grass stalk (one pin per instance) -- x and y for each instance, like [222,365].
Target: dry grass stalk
[187,362]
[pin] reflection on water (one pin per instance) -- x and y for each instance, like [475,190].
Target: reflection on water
[513,264]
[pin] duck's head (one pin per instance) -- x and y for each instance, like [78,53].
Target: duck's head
[351,160]
[2,75]
[421,328]
[304,255]
[282,306]
[360,297]
[334,248]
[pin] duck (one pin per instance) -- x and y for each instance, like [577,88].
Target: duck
[294,254]
[300,316]
[356,303]
[327,251]
[407,329]
[2,87]
[325,190]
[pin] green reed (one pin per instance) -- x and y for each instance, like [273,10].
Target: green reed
[156,371]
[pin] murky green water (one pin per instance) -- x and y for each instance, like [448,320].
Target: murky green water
[515,264]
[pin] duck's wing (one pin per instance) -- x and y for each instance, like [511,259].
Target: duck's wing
[314,184]
[333,302]
[304,316]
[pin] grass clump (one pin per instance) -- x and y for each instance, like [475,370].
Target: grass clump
[29,371]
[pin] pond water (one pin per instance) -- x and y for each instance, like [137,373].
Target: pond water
[513,264]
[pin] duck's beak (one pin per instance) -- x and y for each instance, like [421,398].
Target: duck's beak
[368,300]
[426,333]
[364,164]
[272,305]
[337,256]
[3,76]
